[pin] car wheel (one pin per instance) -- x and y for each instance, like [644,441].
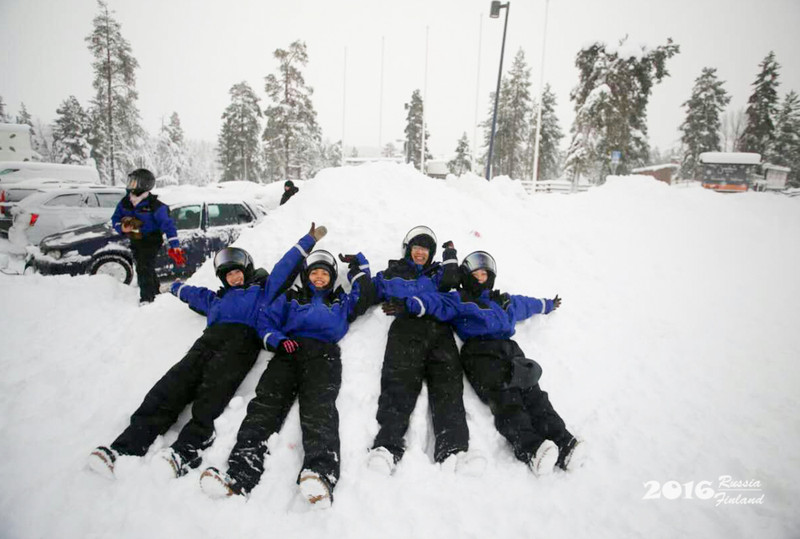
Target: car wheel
[116,266]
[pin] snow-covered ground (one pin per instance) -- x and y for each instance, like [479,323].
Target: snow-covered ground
[675,355]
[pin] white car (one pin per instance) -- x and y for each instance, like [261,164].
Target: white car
[42,214]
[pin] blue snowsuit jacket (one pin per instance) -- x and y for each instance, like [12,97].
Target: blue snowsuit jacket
[403,278]
[242,304]
[153,214]
[324,315]
[490,316]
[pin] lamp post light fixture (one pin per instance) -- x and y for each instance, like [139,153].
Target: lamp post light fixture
[494,13]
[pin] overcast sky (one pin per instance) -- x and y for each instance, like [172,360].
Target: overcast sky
[192,51]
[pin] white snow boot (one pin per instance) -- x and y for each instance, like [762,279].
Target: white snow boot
[217,484]
[572,455]
[470,463]
[101,461]
[169,465]
[316,489]
[381,460]
[544,460]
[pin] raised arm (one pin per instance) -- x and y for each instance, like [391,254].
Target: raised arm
[362,289]
[447,277]
[289,266]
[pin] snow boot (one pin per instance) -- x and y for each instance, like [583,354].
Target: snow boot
[218,485]
[572,455]
[169,464]
[544,460]
[381,460]
[316,488]
[468,463]
[101,461]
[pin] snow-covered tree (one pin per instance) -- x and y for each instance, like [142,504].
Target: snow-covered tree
[611,105]
[462,162]
[5,118]
[202,166]
[238,139]
[292,137]
[389,150]
[116,133]
[413,142]
[71,132]
[170,150]
[24,117]
[550,138]
[701,128]
[732,130]
[786,148]
[761,108]
[512,131]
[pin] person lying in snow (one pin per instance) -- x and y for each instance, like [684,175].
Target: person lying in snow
[214,366]
[302,327]
[495,365]
[421,349]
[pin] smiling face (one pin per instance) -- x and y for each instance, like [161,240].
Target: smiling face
[481,275]
[320,278]
[419,254]
[235,277]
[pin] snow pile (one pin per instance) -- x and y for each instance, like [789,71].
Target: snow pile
[674,354]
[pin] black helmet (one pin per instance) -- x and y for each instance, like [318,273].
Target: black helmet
[422,236]
[231,258]
[288,183]
[475,261]
[321,259]
[140,181]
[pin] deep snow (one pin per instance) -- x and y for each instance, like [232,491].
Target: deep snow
[674,354]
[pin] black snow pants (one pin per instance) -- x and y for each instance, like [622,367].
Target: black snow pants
[208,376]
[422,349]
[145,251]
[313,375]
[522,412]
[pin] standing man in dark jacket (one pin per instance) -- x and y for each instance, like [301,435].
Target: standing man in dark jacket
[302,327]
[216,364]
[417,350]
[497,368]
[289,190]
[143,218]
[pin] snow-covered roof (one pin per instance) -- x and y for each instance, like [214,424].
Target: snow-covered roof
[656,167]
[779,168]
[731,158]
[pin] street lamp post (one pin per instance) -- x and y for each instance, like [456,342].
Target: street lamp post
[494,13]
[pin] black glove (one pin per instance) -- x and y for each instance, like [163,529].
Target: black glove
[290,345]
[556,302]
[448,245]
[395,307]
[350,260]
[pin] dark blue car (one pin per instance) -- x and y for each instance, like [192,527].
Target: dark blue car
[204,227]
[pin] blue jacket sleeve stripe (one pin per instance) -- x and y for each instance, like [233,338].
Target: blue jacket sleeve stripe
[421,306]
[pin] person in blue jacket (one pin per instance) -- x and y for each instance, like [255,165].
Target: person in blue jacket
[214,366]
[143,218]
[420,349]
[497,368]
[302,327]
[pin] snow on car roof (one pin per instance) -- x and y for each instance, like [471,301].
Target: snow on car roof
[191,194]
[731,158]
[38,198]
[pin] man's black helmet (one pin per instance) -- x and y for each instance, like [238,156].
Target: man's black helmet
[288,183]
[321,259]
[475,261]
[231,258]
[422,236]
[140,181]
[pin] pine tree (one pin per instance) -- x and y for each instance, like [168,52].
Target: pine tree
[413,142]
[786,148]
[462,162]
[238,139]
[292,137]
[549,138]
[116,133]
[71,133]
[4,116]
[611,106]
[170,153]
[761,108]
[701,128]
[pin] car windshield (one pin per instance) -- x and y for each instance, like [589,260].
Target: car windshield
[186,217]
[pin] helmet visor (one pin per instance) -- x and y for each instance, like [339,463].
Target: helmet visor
[480,260]
[419,231]
[133,182]
[322,258]
[232,256]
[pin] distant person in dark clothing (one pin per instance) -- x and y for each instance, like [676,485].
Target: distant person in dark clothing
[289,190]
[143,218]
[214,366]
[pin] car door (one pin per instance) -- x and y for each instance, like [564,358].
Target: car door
[225,223]
[188,220]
